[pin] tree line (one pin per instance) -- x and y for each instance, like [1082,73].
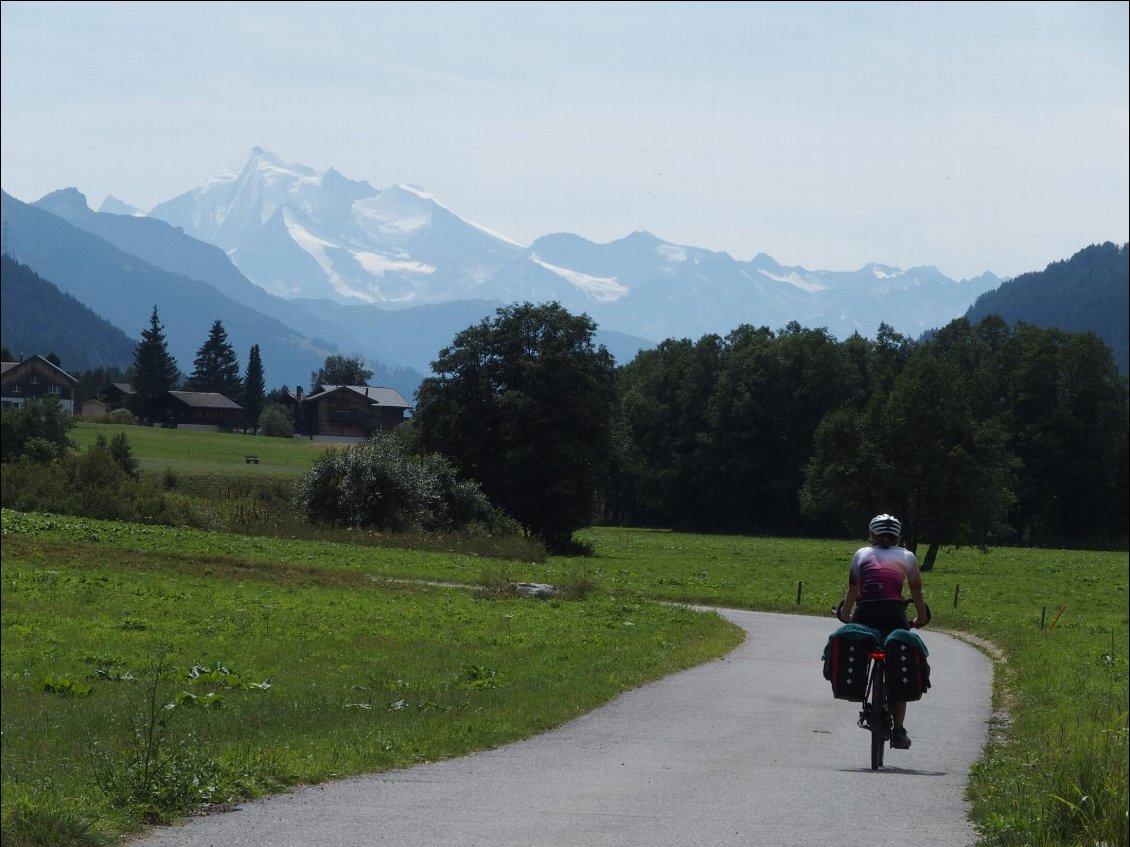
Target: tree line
[981,434]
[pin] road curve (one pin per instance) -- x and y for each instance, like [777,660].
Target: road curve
[746,750]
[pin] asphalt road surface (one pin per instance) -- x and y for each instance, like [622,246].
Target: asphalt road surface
[746,750]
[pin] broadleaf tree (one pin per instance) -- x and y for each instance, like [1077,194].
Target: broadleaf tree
[924,452]
[341,370]
[524,404]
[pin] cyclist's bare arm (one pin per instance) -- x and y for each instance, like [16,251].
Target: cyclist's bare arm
[849,602]
[919,604]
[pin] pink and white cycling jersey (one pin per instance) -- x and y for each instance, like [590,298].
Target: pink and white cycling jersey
[879,572]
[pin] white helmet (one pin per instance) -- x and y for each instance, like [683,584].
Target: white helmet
[885,525]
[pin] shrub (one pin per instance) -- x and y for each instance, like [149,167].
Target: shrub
[92,484]
[39,422]
[119,416]
[380,484]
[274,422]
[120,452]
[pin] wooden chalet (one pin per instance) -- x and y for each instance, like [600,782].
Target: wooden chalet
[349,412]
[35,377]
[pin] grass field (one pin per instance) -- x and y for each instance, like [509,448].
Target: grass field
[325,662]
[191,453]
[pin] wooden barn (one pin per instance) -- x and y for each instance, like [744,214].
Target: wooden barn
[200,409]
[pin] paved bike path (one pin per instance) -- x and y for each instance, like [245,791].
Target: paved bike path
[746,750]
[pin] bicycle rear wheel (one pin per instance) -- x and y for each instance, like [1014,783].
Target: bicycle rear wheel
[878,706]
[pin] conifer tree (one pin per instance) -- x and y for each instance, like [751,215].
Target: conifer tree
[216,368]
[254,387]
[154,370]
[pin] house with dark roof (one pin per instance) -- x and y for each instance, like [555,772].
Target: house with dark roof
[200,410]
[117,395]
[348,412]
[35,377]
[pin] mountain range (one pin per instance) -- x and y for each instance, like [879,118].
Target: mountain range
[301,234]
[307,264]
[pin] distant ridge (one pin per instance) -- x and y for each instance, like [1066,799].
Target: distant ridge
[1086,293]
[39,318]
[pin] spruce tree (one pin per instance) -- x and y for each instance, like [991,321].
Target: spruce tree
[154,370]
[254,387]
[216,368]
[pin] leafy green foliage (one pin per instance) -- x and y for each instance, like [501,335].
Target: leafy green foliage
[274,422]
[121,416]
[101,481]
[381,484]
[66,687]
[119,449]
[163,773]
[524,404]
[37,428]
[341,370]
[979,435]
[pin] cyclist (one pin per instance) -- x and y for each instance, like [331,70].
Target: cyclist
[875,589]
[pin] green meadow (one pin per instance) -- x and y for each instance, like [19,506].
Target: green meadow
[188,453]
[149,670]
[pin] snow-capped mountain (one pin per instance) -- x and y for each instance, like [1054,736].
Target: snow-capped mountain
[302,234]
[298,233]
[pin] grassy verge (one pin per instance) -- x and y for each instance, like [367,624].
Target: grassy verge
[138,683]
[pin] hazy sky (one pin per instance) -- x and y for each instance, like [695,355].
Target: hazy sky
[972,137]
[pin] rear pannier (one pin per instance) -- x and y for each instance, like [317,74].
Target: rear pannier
[846,657]
[908,672]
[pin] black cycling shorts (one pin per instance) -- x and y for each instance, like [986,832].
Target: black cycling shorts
[883,615]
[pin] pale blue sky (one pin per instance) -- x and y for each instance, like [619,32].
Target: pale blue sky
[972,137]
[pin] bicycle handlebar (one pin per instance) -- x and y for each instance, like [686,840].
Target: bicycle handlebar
[906,603]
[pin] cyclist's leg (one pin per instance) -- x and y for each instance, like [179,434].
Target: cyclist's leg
[898,710]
